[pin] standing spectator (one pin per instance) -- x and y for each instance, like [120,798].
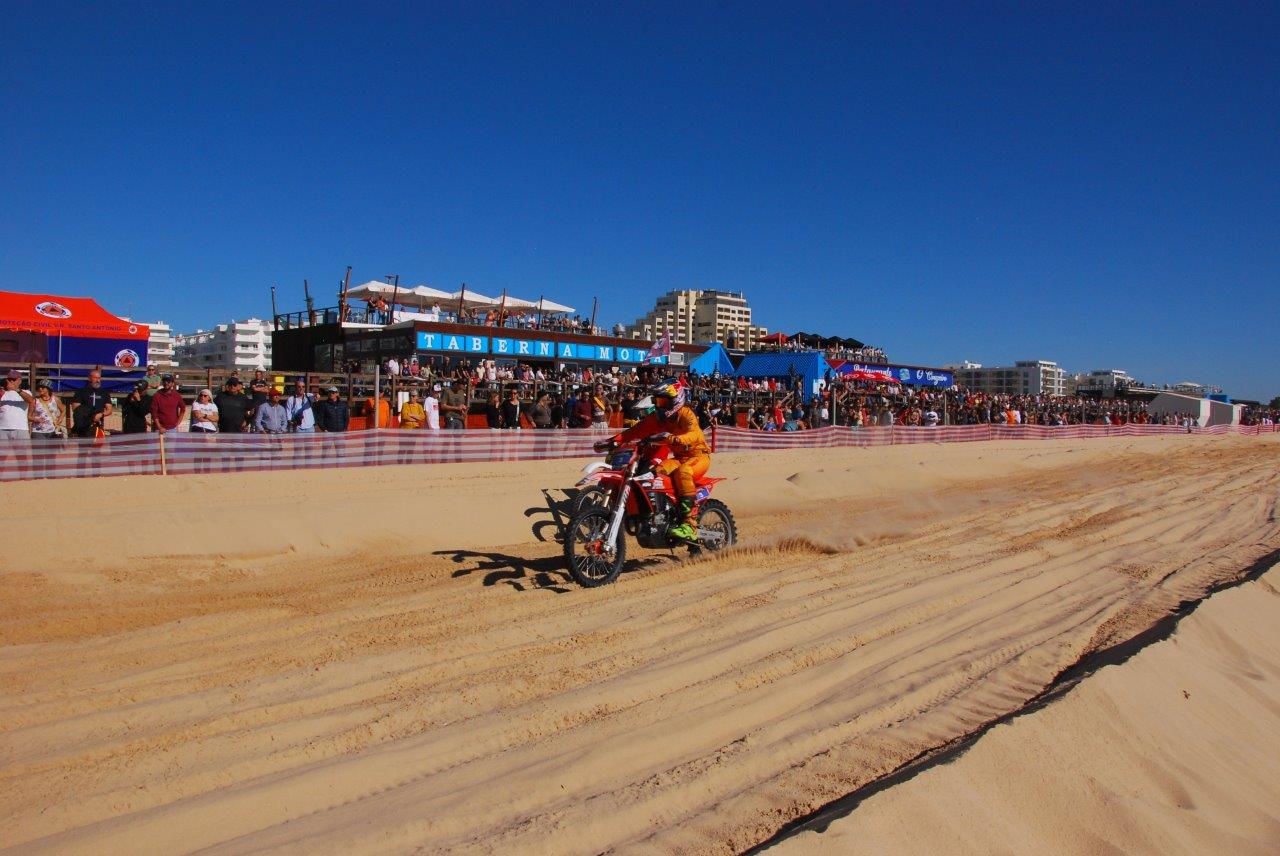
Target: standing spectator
[90,407]
[453,405]
[540,413]
[599,408]
[48,418]
[135,410]
[379,412]
[583,410]
[557,411]
[302,417]
[15,419]
[271,417]
[167,406]
[258,389]
[204,413]
[152,380]
[431,407]
[233,407]
[332,414]
[412,415]
[493,411]
[511,410]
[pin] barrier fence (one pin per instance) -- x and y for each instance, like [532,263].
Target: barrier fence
[177,453]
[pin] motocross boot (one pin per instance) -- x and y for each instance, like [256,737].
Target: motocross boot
[687,529]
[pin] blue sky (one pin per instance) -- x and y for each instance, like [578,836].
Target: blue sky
[951,182]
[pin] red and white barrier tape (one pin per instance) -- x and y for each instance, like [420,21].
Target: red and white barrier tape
[185,453]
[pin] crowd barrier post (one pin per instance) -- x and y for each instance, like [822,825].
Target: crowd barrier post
[164,463]
[377,392]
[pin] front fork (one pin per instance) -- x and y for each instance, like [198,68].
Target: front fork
[619,512]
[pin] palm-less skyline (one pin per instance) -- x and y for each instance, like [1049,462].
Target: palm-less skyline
[1095,187]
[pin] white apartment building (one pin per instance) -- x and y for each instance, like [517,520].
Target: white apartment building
[1105,381]
[239,345]
[693,316]
[1024,377]
[160,351]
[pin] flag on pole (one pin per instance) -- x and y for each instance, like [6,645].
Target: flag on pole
[661,348]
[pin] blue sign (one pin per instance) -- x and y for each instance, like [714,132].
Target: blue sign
[906,374]
[536,349]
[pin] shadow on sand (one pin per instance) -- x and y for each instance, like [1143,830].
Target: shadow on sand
[547,573]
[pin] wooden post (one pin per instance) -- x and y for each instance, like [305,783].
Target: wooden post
[395,295]
[594,303]
[342,296]
[462,295]
[164,463]
[311,305]
[275,313]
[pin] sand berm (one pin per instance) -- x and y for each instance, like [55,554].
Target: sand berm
[392,659]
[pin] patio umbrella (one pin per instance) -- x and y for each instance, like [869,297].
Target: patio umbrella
[774,339]
[545,305]
[473,299]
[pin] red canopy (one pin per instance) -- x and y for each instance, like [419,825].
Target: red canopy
[774,339]
[68,316]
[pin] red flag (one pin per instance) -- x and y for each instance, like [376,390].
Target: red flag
[661,348]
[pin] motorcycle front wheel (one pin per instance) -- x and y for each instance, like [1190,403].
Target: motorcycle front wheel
[585,552]
[588,496]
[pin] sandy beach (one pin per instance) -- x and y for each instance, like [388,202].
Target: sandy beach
[392,659]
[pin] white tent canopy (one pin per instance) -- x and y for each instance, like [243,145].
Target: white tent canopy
[551,306]
[421,296]
[473,299]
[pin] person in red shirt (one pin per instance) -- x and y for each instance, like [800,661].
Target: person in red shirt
[167,406]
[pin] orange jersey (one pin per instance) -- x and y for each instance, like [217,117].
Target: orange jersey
[687,440]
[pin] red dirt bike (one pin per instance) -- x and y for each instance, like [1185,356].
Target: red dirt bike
[637,500]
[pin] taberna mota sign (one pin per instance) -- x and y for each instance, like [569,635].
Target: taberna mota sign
[530,349]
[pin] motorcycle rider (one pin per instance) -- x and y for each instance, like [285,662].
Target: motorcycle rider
[691,456]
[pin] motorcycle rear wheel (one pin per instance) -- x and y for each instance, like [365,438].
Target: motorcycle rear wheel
[589,565]
[716,517]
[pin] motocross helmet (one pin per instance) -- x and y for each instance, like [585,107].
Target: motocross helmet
[668,398]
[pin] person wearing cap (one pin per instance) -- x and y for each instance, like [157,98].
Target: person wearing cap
[233,407]
[15,404]
[453,405]
[332,413]
[270,417]
[431,407]
[167,406]
[412,414]
[48,417]
[90,407]
[300,407]
[135,410]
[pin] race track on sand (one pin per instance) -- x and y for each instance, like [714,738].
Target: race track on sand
[393,660]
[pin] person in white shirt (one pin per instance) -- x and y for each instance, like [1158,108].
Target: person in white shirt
[432,407]
[15,404]
[204,413]
[393,367]
[298,408]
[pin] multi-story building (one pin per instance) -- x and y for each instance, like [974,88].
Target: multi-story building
[1024,377]
[1103,382]
[159,345]
[160,350]
[704,316]
[239,345]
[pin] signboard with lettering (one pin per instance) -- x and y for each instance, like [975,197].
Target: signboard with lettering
[906,374]
[500,347]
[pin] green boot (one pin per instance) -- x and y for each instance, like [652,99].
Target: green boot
[687,528]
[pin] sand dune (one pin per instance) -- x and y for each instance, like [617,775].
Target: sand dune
[1172,752]
[345,661]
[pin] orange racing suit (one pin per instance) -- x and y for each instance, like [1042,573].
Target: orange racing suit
[691,456]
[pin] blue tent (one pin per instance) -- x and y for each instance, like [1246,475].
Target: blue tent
[810,366]
[713,359]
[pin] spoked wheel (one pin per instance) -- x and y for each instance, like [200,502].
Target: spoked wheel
[591,561]
[716,529]
[588,497]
